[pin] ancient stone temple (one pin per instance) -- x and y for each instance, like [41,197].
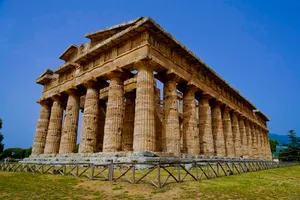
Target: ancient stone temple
[113,80]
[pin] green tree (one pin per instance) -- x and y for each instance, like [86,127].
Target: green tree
[292,151]
[1,138]
[273,145]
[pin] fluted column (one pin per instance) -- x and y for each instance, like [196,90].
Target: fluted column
[88,139]
[255,140]
[249,138]
[171,129]
[55,126]
[144,120]
[69,130]
[191,142]
[244,149]
[227,129]
[258,143]
[101,123]
[205,128]
[236,134]
[217,129]
[42,128]
[269,153]
[113,128]
[261,143]
[128,124]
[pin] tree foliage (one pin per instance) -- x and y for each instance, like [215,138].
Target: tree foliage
[292,152]
[273,145]
[1,138]
[15,153]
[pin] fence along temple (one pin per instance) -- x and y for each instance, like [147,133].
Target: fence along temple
[112,80]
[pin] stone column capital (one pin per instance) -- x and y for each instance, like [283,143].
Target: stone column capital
[45,102]
[143,64]
[58,98]
[227,108]
[73,91]
[119,74]
[217,103]
[203,95]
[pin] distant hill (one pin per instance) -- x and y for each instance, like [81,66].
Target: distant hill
[282,139]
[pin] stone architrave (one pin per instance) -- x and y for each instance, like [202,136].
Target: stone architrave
[236,134]
[113,128]
[244,149]
[217,129]
[249,138]
[101,123]
[171,129]
[144,120]
[55,126]
[191,142]
[205,128]
[42,128]
[88,139]
[128,124]
[227,129]
[69,130]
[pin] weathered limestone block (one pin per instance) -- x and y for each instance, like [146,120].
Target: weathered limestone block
[114,115]
[144,120]
[205,128]
[249,138]
[69,130]
[191,142]
[88,139]
[244,149]
[55,126]
[128,124]
[236,134]
[171,129]
[227,129]
[42,128]
[101,123]
[217,129]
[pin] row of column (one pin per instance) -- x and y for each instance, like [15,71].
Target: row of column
[132,126]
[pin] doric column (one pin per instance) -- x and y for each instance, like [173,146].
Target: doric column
[88,139]
[255,140]
[171,129]
[261,143]
[269,153]
[217,129]
[113,128]
[249,138]
[205,128]
[227,129]
[144,120]
[244,149]
[191,142]
[128,124]
[42,128]
[236,134]
[258,142]
[55,125]
[101,123]
[69,130]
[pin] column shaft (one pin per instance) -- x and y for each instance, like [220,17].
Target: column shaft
[171,129]
[191,142]
[88,139]
[217,129]
[205,129]
[236,134]
[249,139]
[41,129]
[229,147]
[243,136]
[69,130]
[54,129]
[144,120]
[128,124]
[114,116]
[101,123]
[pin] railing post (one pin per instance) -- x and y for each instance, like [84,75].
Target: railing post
[133,173]
[92,171]
[158,174]
[111,171]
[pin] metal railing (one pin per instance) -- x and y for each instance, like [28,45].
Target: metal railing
[158,174]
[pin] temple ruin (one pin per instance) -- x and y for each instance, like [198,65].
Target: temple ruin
[113,79]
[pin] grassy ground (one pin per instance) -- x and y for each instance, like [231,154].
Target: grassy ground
[282,183]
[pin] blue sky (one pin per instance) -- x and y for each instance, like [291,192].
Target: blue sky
[254,45]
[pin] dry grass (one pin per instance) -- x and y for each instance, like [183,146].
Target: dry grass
[282,183]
